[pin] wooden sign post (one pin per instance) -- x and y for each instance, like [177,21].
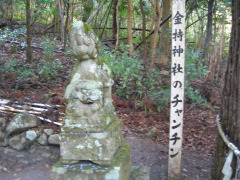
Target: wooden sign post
[177,89]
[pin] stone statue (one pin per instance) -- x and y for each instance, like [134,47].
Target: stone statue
[91,139]
[89,93]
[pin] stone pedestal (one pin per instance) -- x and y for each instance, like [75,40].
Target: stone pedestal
[119,168]
[98,147]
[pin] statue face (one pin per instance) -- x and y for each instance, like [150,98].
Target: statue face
[83,43]
[89,92]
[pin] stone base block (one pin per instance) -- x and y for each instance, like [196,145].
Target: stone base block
[96,147]
[118,170]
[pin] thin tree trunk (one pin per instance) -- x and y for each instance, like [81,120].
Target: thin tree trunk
[221,48]
[105,14]
[164,40]
[56,18]
[213,59]
[60,9]
[105,24]
[71,9]
[67,5]
[117,35]
[208,29]
[114,21]
[144,31]
[115,32]
[230,111]
[152,26]
[155,35]
[29,36]
[129,27]
[12,10]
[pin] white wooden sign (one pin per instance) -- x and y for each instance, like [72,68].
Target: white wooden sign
[177,89]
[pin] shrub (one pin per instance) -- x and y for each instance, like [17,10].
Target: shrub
[47,69]
[132,80]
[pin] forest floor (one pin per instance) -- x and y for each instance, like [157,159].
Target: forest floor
[199,124]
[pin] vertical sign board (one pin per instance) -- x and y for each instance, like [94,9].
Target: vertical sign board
[177,89]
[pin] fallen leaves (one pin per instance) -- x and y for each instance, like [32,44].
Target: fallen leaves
[199,130]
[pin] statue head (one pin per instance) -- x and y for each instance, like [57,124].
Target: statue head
[83,41]
[89,92]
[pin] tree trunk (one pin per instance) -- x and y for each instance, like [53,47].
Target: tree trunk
[231,97]
[12,11]
[129,27]
[164,40]
[115,30]
[117,35]
[67,5]
[152,26]
[144,31]
[71,9]
[29,36]
[114,21]
[60,9]
[104,27]
[208,29]
[155,35]
[221,49]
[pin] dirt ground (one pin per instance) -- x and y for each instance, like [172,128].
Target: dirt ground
[35,163]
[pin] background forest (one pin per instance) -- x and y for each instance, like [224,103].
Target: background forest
[36,60]
[135,43]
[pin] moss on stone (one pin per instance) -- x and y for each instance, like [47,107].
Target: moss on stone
[122,156]
[75,68]
[118,170]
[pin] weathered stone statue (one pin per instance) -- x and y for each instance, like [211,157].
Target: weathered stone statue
[91,132]
[89,93]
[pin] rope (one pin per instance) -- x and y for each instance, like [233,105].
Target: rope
[229,144]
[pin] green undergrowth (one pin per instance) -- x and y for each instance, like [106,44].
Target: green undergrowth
[43,69]
[133,82]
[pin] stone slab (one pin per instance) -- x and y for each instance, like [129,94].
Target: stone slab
[118,170]
[97,147]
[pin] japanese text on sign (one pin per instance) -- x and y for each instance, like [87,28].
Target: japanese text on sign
[177,89]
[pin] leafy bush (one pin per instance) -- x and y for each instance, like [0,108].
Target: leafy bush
[195,70]
[132,81]
[47,69]
[19,69]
